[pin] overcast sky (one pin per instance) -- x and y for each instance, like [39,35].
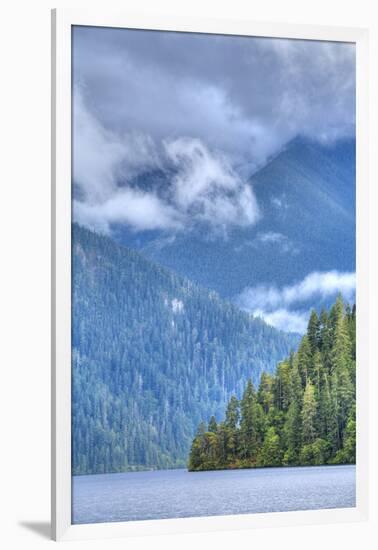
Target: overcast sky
[241,94]
[207,110]
[201,105]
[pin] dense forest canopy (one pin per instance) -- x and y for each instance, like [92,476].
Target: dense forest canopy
[152,355]
[304,414]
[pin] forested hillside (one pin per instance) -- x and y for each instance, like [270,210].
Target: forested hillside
[153,354]
[304,414]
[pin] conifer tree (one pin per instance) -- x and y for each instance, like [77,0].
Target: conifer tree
[304,360]
[213,426]
[232,413]
[271,452]
[265,392]
[313,331]
[309,414]
[251,423]
[293,423]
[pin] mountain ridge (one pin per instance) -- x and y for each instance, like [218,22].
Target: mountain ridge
[152,354]
[306,197]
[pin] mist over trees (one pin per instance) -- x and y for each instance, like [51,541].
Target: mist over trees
[303,414]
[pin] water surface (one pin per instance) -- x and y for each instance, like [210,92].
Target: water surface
[179,493]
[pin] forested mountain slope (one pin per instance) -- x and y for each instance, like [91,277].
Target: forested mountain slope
[153,354]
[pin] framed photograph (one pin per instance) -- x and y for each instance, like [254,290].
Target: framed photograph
[210,275]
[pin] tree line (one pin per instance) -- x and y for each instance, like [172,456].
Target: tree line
[304,414]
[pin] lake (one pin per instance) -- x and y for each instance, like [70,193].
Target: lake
[179,493]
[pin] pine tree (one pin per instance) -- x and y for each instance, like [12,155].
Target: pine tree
[223,445]
[293,423]
[251,424]
[304,360]
[196,457]
[342,365]
[232,413]
[349,444]
[309,414]
[231,428]
[271,452]
[213,426]
[327,418]
[313,331]
[265,392]
[282,386]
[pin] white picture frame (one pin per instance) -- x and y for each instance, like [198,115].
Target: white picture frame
[62,21]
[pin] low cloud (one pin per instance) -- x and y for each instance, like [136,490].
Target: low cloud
[283,319]
[270,238]
[140,211]
[201,184]
[316,284]
[206,185]
[281,307]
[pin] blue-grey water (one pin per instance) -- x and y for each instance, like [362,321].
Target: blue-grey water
[179,493]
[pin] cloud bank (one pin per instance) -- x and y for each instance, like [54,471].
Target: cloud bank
[245,96]
[205,109]
[283,307]
[201,186]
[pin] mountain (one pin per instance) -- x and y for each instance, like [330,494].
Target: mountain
[153,354]
[306,195]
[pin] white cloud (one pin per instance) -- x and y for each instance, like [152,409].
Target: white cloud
[322,284]
[273,303]
[207,187]
[141,211]
[102,157]
[283,319]
[201,186]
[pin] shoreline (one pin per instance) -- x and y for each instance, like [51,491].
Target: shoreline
[259,468]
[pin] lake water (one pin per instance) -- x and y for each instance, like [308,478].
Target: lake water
[179,493]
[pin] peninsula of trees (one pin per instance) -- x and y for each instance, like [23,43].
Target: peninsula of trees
[304,414]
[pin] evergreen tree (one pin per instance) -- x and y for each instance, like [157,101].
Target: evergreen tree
[293,423]
[213,426]
[265,392]
[282,387]
[304,360]
[313,331]
[342,365]
[232,413]
[271,452]
[309,414]
[349,444]
[251,423]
